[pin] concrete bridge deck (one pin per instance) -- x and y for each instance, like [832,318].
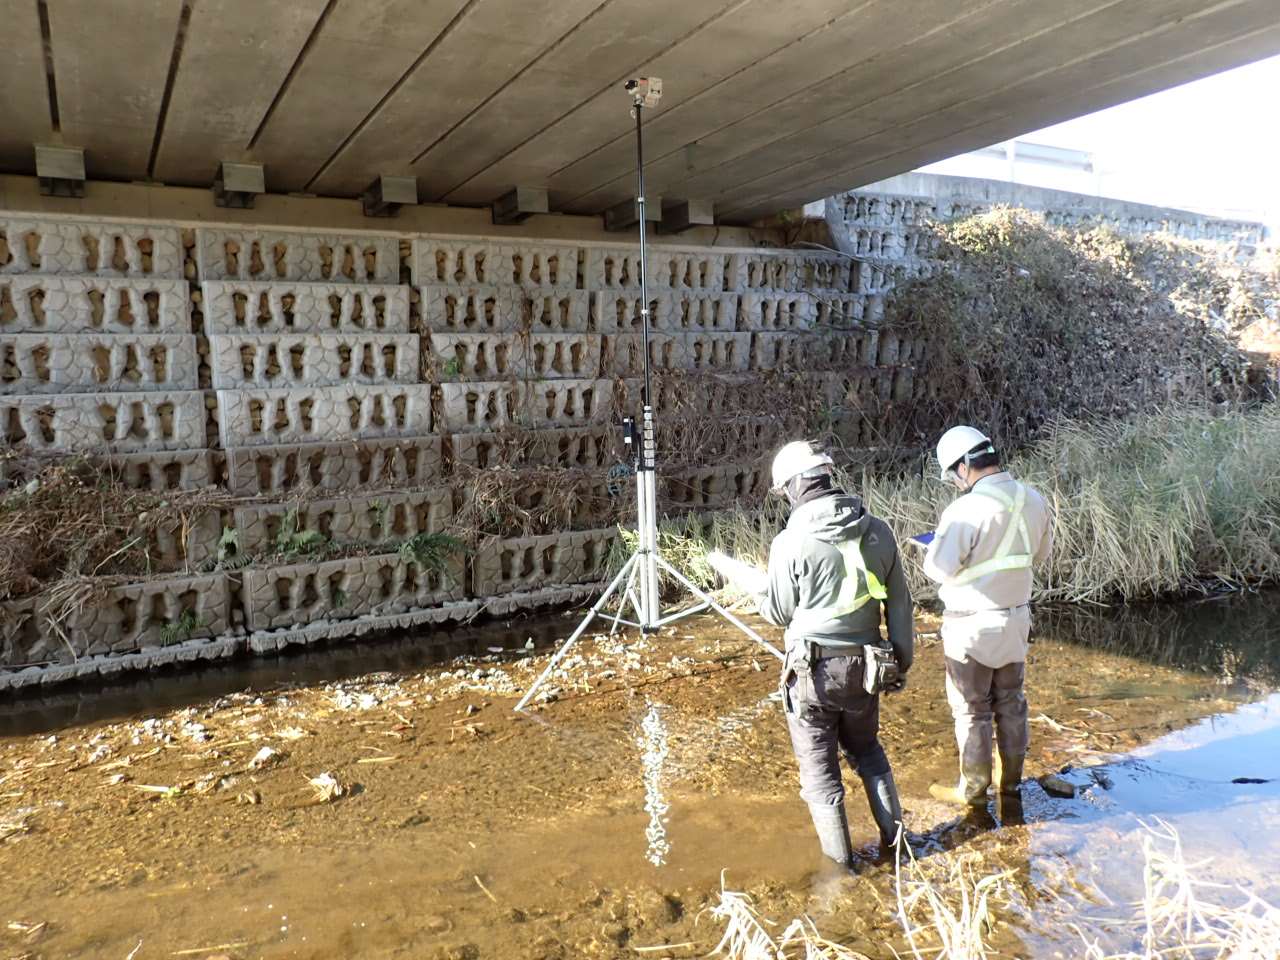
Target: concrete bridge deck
[767,104]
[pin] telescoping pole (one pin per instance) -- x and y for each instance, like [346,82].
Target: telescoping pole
[646,476]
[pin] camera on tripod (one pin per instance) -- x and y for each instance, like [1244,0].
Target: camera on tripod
[645,91]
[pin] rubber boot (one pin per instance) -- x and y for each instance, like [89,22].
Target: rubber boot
[1009,809]
[886,809]
[833,832]
[970,791]
[1009,773]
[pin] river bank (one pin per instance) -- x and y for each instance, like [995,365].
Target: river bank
[464,830]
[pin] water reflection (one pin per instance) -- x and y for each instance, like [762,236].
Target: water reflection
[34,711]
[1235,637]
[653,759]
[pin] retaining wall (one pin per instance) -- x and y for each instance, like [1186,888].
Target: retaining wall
[363,388]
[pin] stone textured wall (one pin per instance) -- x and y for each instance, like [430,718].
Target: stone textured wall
[917,196]
[363,388]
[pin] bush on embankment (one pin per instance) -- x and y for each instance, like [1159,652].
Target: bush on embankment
[1027,324]
[1161,505]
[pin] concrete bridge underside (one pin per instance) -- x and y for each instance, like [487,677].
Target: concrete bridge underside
[767,104]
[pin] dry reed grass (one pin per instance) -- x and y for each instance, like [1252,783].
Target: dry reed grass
[1162,505]
[72,521]
[747,935]
[947,907]
[1183,917]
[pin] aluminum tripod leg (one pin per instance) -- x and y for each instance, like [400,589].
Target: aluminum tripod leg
[586,621]
[626,595]
[688,585]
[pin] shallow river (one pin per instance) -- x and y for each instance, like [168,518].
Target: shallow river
[602,824]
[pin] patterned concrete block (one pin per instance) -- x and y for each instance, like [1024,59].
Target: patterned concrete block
[533,563]
[787,351]
[267,416]
[791,272]
[736,438]
[556,311]
[704,313]
[124,619]
[249,307]
[313,360]
[583,448]
[167,470]
[340,589]
[354,465]
[268,255]
[32,363]
[618,268]
[698,392]
[454,308]
[619,311]
[482,407]
[477,356]
[52,304]
[533,265]
[570,403]
[378,519]
[48,246]
[701,271]
[717,352]
[622,354]
[554,356]
[776,311]
[568,447]
[843,310]
[870,277]
[105,422]
[714,487]
[270,641]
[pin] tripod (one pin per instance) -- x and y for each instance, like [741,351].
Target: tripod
[640,572]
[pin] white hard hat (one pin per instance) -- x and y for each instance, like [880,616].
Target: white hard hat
[957,443]
[797,457]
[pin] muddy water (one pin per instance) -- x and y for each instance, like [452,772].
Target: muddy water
[468,832]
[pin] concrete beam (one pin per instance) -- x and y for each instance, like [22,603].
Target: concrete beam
[625,215]
[681,215]
[237,184]
[518,205]
[386,195]
[61,171]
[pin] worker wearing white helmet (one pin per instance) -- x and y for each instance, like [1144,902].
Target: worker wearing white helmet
[833,572]
[982,556]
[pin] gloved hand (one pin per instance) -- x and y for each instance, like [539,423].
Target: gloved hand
[897,685]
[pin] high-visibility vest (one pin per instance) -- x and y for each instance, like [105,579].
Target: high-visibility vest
[857,588]
[1004,557]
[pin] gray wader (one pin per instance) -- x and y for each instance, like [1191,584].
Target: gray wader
[829,713]
[977,695]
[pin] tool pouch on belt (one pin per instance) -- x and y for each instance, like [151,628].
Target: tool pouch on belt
[797,677]
[881,668]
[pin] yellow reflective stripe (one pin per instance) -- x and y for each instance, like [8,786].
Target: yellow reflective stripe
[1016,521]
[1004,558]
[848,600]
[1017,561]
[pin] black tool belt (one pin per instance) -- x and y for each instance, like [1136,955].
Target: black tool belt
[819,651]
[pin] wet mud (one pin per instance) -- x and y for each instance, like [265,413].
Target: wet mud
[600,824]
